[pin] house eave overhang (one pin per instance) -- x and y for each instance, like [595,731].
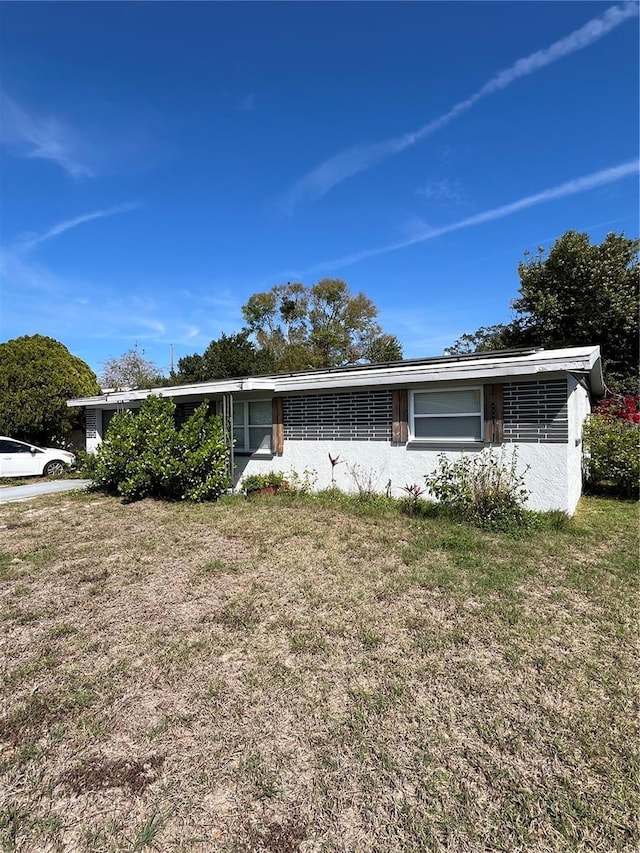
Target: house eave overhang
[583,361]
[201,389]
[446,373]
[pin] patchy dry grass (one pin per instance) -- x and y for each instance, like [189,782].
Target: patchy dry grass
[314,674]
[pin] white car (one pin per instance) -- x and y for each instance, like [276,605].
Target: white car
[18,459]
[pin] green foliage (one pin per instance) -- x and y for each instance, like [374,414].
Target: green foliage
[488,338]
[409,505]
[384,348]
[324,325]
[584,294]
[485,489]
[131,370]
[37,377]
[302,484]
[341,325]
[229,356]
[205,456]
[612,453]
[279,321]
[144,455]
[292,482]
[578,294]
[273,480]
[294,328]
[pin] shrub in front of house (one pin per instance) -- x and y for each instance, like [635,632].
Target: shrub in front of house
[611,437]
[145,455]
[486,489]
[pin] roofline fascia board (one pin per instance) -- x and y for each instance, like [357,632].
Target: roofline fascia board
[249,383]
[497,372]
[571,360]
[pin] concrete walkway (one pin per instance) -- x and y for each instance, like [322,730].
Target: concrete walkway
[34,490]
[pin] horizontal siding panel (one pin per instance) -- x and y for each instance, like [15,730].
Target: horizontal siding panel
[91,423]
[536,411]
[348,416]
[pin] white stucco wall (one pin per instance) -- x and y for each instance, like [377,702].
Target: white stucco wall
[553,476]
[546,477]
[578,406]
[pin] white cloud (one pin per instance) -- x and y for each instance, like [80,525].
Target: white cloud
[444,191]
[41,138]
[153,325]
[30,241]
[68,307]
[42,301]
[359,158]
[413,226]
[569,188]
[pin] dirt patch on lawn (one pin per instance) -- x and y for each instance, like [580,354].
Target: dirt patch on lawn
[98,773]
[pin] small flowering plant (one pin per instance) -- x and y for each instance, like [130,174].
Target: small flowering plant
[623,407]
[611,438]
[335,460]
[414,490]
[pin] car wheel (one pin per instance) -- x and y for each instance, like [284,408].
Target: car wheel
[53,467]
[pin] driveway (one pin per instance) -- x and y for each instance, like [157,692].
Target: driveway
[34,490]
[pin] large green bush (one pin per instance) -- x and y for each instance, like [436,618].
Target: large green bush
[37,377]
[145,455]
[612,453]
[486,489]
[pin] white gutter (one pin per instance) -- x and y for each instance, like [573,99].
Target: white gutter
[228,386]
[579,360]
[412,377]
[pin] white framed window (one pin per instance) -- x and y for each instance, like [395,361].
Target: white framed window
[450,414]
[252,426]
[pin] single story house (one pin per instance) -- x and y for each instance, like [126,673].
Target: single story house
[389,422]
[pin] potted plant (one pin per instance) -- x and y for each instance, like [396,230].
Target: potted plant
[265,484]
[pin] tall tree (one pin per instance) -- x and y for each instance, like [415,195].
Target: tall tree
[130,370]
[384,348]
[227,357]
[324,325]
[37,376]
[584,294]
[579,294]
[279,320]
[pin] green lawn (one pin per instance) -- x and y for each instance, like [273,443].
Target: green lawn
[319,674]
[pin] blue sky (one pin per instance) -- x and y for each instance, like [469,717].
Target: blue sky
[161,162]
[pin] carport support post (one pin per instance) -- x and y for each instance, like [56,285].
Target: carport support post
[227,427]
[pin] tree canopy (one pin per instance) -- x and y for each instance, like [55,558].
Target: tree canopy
[130,370]
[295,327]
[37,377]
[384,348]
[578,294]
[323,325]
[229,356]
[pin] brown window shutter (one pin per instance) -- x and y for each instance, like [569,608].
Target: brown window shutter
[277,430]
[493,414]
[400,428]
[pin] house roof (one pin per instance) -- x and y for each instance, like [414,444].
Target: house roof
[487,366]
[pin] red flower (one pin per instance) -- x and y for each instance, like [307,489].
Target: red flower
[625,408]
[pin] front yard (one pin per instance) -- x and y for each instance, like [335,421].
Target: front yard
[315,674]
